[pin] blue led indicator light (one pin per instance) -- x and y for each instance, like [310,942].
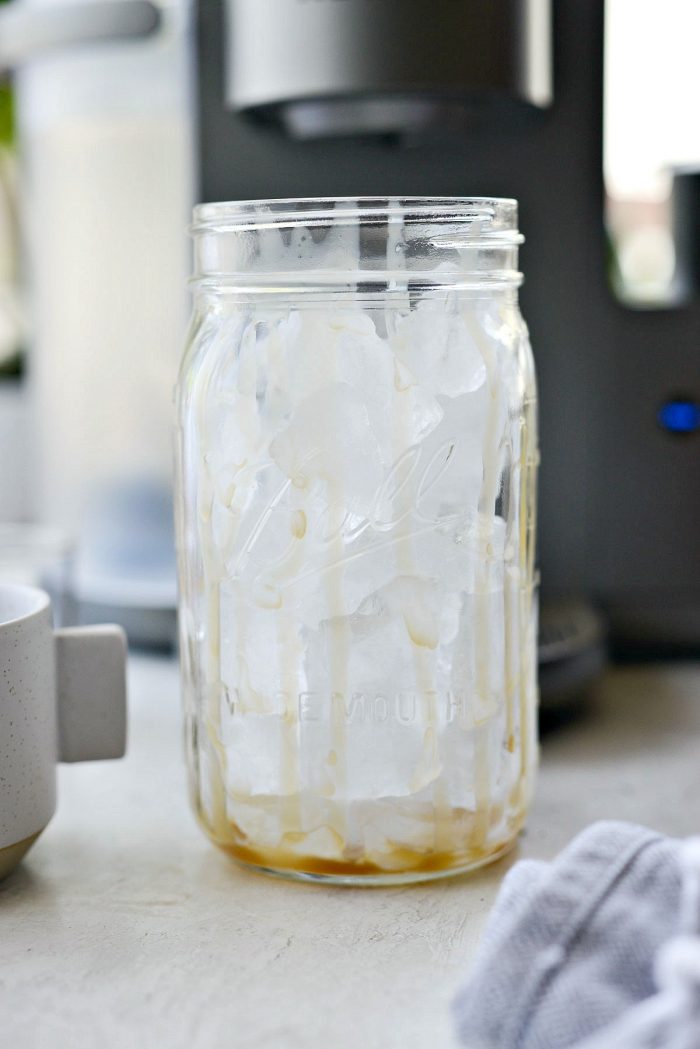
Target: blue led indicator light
[680,416]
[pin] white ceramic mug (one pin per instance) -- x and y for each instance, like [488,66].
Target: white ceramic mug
[62,698]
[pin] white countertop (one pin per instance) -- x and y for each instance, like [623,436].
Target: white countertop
[126,928]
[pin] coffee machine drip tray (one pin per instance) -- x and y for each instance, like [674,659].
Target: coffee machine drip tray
[571,654]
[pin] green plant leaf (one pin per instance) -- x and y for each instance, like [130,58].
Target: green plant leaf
[7,123]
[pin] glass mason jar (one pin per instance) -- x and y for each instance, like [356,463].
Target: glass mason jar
[357,455]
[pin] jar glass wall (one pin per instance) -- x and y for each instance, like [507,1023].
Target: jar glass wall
[357,455]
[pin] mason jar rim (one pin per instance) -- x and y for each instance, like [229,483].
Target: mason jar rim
[487,220]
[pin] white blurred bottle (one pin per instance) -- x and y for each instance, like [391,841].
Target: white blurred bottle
[106,145]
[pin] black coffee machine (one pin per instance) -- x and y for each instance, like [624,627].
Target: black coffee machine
[495,97]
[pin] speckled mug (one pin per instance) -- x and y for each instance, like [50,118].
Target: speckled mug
[62,698]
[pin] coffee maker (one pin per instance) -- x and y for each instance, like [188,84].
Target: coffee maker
[495,97]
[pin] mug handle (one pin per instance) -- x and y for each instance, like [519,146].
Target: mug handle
[91,692]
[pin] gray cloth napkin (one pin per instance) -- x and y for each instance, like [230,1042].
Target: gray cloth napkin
[597,950]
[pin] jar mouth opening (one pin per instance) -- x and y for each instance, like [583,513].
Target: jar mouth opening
[356,245]
[479,220]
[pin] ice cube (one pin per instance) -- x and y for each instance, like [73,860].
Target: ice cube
[401,413]
[336,580]
[451,471]
[330,438]
[380,742]
[265,523]
[439,350]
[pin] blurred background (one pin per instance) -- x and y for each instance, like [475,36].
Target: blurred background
[117,115]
